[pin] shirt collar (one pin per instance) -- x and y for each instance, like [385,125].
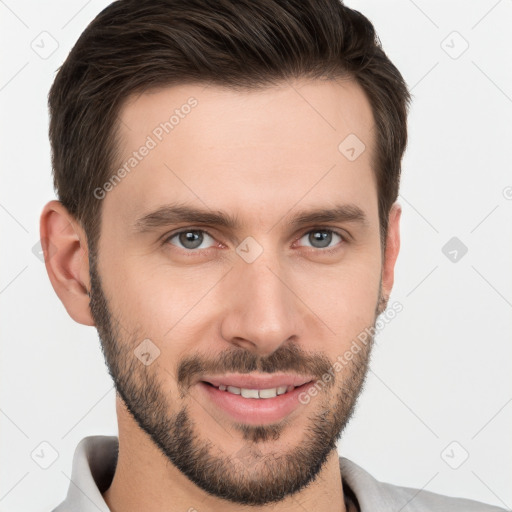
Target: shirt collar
[94,464]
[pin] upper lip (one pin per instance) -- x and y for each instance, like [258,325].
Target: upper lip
[254,381]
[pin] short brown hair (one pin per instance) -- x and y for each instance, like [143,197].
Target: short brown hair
[136,45]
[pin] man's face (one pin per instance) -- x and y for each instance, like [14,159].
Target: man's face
[187,307]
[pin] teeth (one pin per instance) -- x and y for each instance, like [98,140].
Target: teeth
[268,393]
[257,393]
[249,393]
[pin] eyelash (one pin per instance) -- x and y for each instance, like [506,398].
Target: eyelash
[193,252]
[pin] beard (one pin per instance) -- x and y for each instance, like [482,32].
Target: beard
[247,477]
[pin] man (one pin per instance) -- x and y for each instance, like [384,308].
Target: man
[227,175]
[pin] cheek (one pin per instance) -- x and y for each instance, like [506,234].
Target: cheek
[344,298]
[157,299]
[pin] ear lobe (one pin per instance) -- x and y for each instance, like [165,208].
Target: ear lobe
[67,260]
[392,250]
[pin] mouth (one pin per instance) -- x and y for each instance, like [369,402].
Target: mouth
[254,400]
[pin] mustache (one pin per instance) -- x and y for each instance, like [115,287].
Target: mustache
[287,358]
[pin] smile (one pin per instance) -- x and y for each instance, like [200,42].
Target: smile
[253,399]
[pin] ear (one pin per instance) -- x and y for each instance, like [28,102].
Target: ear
[66,258]
[390,254]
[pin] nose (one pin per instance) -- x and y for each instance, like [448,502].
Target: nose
[261,312]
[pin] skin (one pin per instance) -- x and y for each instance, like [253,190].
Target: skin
[262,156]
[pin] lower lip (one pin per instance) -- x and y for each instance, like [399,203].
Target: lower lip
[254,411]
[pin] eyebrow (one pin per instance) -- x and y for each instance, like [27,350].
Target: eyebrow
[173,214]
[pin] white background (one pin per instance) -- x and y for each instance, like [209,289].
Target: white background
[441,369]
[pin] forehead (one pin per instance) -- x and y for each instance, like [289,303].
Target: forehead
[283,114]
[258,150]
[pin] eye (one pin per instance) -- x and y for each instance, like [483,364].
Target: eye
[320,238]
[190,239]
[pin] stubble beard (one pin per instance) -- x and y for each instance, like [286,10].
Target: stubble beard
[249,476]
